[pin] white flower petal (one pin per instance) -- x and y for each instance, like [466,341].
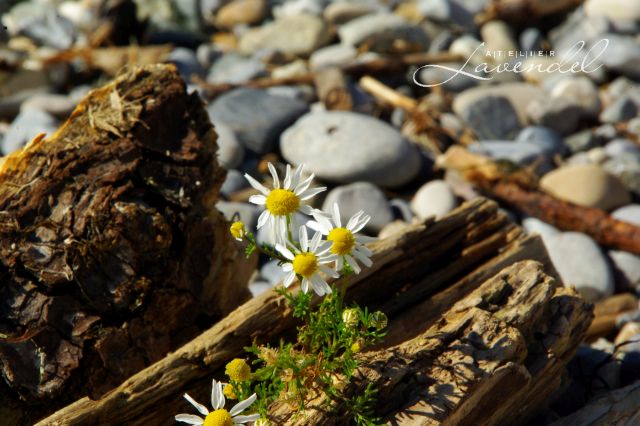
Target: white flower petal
[296,177]
[240,420]
[274,175]
[320,286]
[361,224]
[362,249]
[363,239]
[309,193]
[306,209]
[201,408]
[262,219]
[285,251]
[322,220]
[217,397]
[305,285]
[287,178]
[323,248]
[362,258]
[288,279]
[328,271]
[354,265]
[240,406]
[304,238]
[287,267]
[336,215]
[258,199]
[339,263]
[191,419]
[257,185]
[354,220]
[315,241]
[303,186]
[315,226]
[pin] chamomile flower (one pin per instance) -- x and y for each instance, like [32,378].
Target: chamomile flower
[346,246]
[283,201]
[308,263]
[219,416]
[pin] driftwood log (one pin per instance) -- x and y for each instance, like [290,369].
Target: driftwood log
[112,254]
[510,337]
[519,191]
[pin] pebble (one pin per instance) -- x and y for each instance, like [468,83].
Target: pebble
[519,95]
[332,56]
[613,10]
[628,328]
[449,11]
[248,213]
[248,12]
[629,266]
[27,125]
[255,117]
[272,272]
[258,287]
[531,40]
[230,151]
[378,30]
[534,225]
[627,169]
[587,185]
[360,196]
[342,147]
[234,182]
[629,213]
[401,209]
[622,109]
[339,13]
[296,35]
[622,55]
[583,140]
[498,37]
[492,117]
[298,7]
[41,23]
[235,69]
[434,198]
[186,62]
[581,263]
[621,147]
[522,153]
[60,106]
[549,140]
[559,114]
[597,363]
[581,92]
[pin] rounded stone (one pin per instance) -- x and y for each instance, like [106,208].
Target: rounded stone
[587,185]
[343,147]
[434,198]
[241,12]
[296,35]
[230,151]
[581,263]
[629,213]
[360,196]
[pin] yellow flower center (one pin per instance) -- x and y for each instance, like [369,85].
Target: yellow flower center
[229,392]
[343,241]
[282,202]
[237,229]
[305,264]
[238,370]
[218,418]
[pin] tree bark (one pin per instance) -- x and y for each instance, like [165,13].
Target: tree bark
[417,275]
[112,253]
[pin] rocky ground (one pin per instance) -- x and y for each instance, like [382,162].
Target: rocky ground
[580,131]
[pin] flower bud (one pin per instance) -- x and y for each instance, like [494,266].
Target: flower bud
[238,230]
[238,370]
[350,317]
[379,320]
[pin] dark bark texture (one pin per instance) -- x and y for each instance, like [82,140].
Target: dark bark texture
[112,253]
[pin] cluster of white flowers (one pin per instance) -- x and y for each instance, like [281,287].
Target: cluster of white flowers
[309,257]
